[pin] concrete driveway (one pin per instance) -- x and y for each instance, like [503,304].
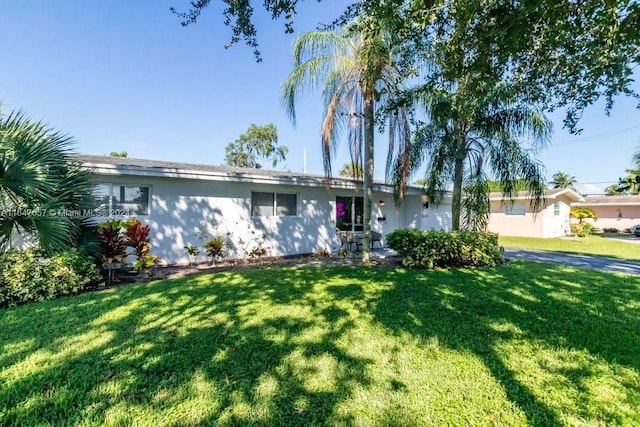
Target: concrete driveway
[575,260]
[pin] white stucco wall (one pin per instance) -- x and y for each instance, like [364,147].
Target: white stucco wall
[179,206]
[556,225]
[438,217]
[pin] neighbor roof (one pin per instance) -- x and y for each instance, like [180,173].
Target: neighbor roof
[549,194]
[610,201]
[109,165]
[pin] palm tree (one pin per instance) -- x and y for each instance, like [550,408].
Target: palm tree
[563,180]
[630,184]
[351,170]
[469,140]
[40,185]
[358,72]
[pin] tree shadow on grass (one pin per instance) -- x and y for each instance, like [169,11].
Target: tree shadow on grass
[483,311]
[256,351]
[267,346]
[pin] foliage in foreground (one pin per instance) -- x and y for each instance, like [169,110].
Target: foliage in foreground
[29,276]
[434,249]
[525,344]
[40,185]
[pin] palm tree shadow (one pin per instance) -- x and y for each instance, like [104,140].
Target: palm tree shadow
[461,311]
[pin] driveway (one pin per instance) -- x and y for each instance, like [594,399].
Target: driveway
[575,260]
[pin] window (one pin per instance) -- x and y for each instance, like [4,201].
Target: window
[349,213]
[116,200]
[515,209]
[265,204]
[131,198]
[556,209]
[286,205]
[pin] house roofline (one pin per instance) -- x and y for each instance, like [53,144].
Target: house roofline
[116,166]
[549,195]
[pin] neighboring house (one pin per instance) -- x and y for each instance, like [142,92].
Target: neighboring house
[621,212]
[516,217]
[297,213]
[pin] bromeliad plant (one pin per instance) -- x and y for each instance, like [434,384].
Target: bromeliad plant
[215,248]
[144,263]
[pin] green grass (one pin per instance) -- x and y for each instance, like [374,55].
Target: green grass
[615,246]
[525,344]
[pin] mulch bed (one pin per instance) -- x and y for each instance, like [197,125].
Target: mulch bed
[178,271]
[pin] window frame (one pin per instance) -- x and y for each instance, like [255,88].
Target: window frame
[275,207]
[355,207]
[509,209]
[113,193]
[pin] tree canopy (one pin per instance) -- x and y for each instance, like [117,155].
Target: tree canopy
[468,141]
[259,142]
[560,53]
[563,180]
[351,170]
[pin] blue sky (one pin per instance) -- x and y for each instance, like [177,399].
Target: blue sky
[126,76]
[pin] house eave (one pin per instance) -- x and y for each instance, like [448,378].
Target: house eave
[106,169]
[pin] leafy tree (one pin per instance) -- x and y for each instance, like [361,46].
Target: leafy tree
[560,53]
[260,142]
[556,53]
[466,141]
[39,185]
[612,190]
[118,154]
[630,184]
[582,213]
[351,170]
[358,74]
[563,180]
[496,186]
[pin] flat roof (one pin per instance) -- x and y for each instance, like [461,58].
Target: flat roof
[110,165]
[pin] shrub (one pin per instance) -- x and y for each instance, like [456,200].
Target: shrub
[433,249]
[136,236]
[583,229]
[29,276]
[610,230]
[581,213]
[215,248]
[113,246]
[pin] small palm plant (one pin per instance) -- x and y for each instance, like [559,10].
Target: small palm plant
[39,181]
[192,252]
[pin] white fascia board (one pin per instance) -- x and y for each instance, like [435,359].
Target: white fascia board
[605,204]
[115,170]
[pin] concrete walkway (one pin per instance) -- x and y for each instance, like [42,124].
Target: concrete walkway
[575,260]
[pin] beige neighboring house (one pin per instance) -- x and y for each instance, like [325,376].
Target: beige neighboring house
[621,212]
[516,217]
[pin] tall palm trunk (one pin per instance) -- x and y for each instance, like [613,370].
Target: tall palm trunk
[368,174]
[458,176]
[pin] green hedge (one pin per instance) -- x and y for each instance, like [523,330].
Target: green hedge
[433,249]
[29,276]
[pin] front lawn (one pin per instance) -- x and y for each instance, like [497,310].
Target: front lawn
[615,246]
[525,344]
